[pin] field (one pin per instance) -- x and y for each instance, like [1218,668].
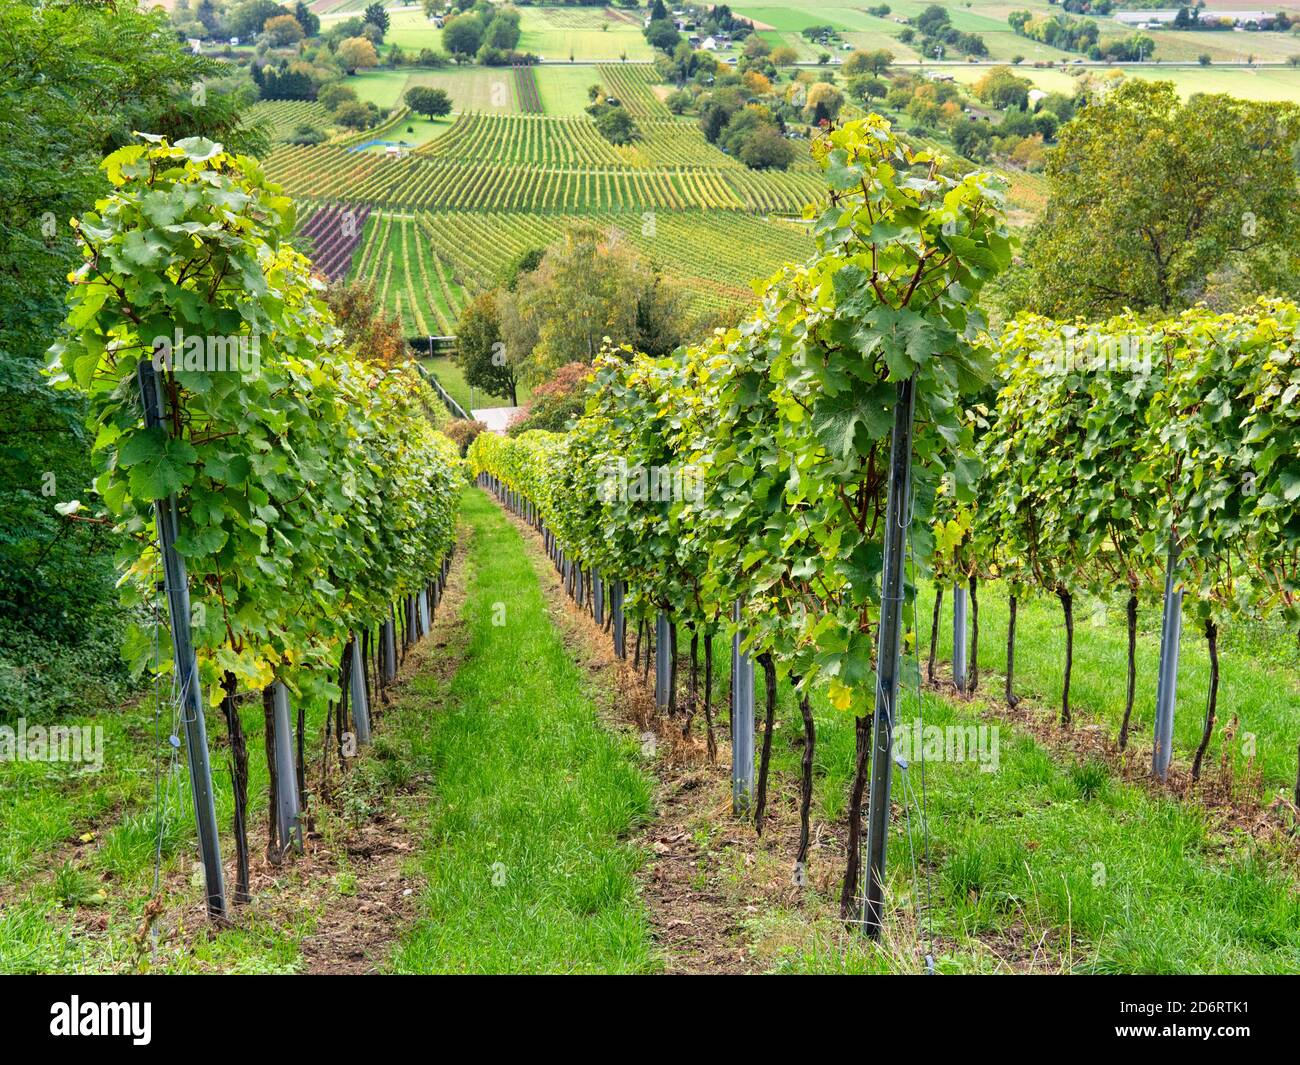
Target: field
[452,378]
[564,88]
[712,254]
[583,34]
[1263,83]
[961,640]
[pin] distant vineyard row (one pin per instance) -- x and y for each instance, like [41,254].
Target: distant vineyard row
[634,86]
[411,279]
[574,141]
[425,266]
[325,171]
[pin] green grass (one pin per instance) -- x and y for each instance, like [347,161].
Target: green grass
[452,378]
[1101,875]
[383,88]
[526,854]
[556,33]
[414,132]
[412,31]
[57,879]
[1257,683]
[563,89]
[1044,854]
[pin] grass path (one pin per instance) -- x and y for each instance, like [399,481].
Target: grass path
[526,852]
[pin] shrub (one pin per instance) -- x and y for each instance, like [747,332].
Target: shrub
[463,431]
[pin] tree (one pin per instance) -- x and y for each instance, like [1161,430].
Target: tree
[784,56]
[973,140]
[503,31]
[283,30]
[482,354]
[589,285]
[246,20]
[356,115]
[1002,89]
[377,15]
[334,94]
[357,52]
[756,47]
[307,19]
[462,36]
[823,102]
[366,325]
[766,149]
[866,88]
[862,62]
[663,35]
[432,103]
[1148,196]
[616,126]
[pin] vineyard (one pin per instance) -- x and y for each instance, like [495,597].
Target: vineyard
[283,117]
[745,486]
[304,517]
[493,185]
[690,496]
[412,276]
[417,181]
[526,90]
[480,246]
[635,88]
[334,232]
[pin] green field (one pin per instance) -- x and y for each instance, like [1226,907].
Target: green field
[452,378]
[1270,83]
[583,33]
[564,88]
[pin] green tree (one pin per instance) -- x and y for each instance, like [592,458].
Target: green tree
[432,103]
[503,31]
[766,149]
[482,354]
[77,80]
[1002,89]
[462,36]
[307,19]
[1148,196]
[589,285]
[863,62]
[246,20]
[377,15]
[334,94]
[353,114]
[616,126]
